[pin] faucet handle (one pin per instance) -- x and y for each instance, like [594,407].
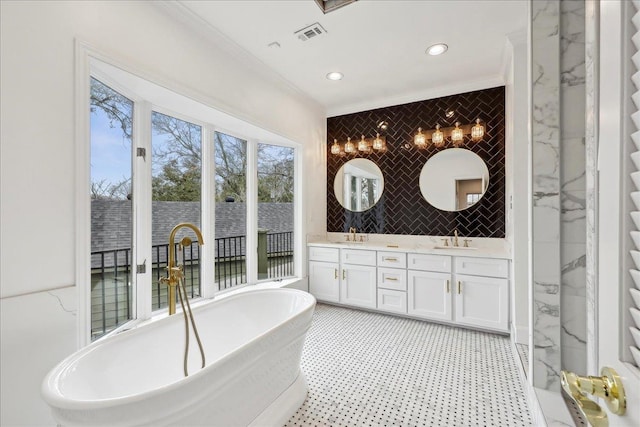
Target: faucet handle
[466,242]
[445,242]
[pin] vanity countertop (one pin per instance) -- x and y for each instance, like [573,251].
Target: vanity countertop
[426,248]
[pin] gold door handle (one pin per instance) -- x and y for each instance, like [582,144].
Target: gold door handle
[608,387]
[393,279]
[344,275]
[448,285]
[335,273]
[459,287]
[390,259]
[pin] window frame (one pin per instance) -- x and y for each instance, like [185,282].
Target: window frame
[141,178]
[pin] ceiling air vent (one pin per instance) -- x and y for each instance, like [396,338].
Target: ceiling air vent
[310,32]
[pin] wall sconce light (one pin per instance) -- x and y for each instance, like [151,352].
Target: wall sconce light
[335,148]
[379,143]
[365,146]
[477,131]
[455,134]
[419,139]
[437,137]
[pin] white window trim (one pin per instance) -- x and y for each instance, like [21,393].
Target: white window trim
[141,137]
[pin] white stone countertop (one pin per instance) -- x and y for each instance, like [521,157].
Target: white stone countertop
[479,248]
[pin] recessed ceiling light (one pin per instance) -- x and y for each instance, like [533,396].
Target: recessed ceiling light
[437,49]
[335,75]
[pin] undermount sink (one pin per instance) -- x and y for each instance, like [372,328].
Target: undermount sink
[466,248]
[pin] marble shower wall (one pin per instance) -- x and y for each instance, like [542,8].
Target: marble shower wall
[573,186]
[559,196]
[591,149]
[545,152]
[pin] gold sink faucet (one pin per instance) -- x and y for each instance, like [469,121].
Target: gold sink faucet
[174,272]
[352,232]
[455,238]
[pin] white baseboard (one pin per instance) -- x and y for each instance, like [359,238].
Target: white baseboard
[520,334]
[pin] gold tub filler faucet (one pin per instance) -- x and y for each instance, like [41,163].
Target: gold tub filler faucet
[175,282]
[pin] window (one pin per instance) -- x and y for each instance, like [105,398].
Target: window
[275,211]
[231,211]
[157,159]
[111,209]
[176,171]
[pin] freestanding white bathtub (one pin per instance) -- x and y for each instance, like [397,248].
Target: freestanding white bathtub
[252,341]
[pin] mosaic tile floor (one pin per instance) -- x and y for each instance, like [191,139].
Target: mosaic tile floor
[370,369]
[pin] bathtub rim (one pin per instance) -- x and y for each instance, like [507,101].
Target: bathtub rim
[52,395]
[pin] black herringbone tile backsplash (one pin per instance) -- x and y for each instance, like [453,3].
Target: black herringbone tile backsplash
[402,209]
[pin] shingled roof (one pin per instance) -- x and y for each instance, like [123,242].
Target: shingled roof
[111,220]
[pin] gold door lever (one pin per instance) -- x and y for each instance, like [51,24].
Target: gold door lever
[608,387]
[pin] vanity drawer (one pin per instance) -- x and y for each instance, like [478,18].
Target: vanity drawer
[482,267]
[440,263]
[392,259]
[318,253]
[393,301]
[392,278]
[360,257]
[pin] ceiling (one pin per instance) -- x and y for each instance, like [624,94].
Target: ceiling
[379,45]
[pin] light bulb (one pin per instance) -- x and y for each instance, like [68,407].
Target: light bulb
[457,136]
[335,148]
[437,137]
[378,143]
[349,147]
[420,140]
[362,145]
[477,131]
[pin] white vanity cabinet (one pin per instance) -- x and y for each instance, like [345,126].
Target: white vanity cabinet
[460,290]
[392,282]
[429,282]
[358,276]
[467,291]
[482,293]
[324,273]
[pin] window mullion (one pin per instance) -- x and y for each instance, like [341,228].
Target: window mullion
[252,212]
[142,209]
[207,251]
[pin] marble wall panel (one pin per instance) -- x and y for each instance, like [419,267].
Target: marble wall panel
[546,193]
[573,185]
[574,260]
[591,150]
[573,217]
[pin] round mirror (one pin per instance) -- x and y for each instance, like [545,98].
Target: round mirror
[454,179]
[358,185]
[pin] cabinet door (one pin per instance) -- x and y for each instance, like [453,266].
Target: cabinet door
[358,286]
[482,301]
[393,301]
[324,282]
[429,295]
